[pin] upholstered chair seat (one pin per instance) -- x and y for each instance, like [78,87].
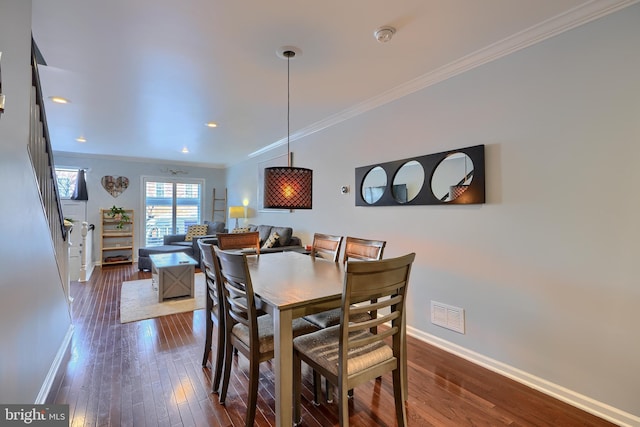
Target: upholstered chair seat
[322,346]
[265,332]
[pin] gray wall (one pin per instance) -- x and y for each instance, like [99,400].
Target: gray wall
[34,316]
[546,269]
[132,197]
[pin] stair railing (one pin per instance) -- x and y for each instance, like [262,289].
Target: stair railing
[41,154]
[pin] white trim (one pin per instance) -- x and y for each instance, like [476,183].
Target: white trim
[161,162]
[56,365]
[568,20]
[600,409]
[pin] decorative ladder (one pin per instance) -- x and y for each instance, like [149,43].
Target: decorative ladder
[219,211]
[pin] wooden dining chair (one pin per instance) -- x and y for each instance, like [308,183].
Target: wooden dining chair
[354,249]
[251,334]
[326,246]
[249,240]
[214,312]
[362,249]
[349,354]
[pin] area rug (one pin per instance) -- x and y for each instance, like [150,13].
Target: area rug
[139,300]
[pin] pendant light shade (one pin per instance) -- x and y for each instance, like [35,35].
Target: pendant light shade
[286,187]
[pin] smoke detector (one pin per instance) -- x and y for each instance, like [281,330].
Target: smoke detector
[384,34]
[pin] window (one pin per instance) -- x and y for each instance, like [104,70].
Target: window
[67,179]
[170,207]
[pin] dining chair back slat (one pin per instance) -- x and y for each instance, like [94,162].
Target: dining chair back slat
[363,249]
[249,240]
[326,246]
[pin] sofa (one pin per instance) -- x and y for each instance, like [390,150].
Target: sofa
[178,243]
[286,242]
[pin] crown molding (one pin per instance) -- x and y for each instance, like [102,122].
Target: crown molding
[137,159]
[579,15]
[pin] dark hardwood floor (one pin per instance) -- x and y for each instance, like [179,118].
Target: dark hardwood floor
[149,373]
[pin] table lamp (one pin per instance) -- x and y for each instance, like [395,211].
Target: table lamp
[236,212]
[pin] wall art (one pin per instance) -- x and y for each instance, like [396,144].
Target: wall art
[115,185]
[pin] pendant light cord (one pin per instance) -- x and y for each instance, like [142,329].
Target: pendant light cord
[288,54]
[288,106]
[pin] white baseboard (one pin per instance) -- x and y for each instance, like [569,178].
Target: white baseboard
[602,410]
[55,367]
[90,268]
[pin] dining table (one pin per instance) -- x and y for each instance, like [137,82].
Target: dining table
[292,285]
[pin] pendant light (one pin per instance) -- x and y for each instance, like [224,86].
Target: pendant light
[288,187]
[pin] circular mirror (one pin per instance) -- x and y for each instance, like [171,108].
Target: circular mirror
[452,177]
[373,185]
[408,181]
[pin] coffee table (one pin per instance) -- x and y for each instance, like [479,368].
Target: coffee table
[173,274]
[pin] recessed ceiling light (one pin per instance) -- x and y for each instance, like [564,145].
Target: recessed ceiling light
[185,150]
[384,34]
[212,125]
[59,100]
[81,139]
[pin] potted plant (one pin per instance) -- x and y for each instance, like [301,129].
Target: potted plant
[120,215]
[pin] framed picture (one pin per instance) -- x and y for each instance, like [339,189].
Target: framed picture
[276,161]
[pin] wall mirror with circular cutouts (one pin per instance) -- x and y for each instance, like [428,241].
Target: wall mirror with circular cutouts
[374,185]
[452,177]
[408,182]
[449,177]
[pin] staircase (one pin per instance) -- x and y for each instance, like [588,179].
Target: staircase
[41,155]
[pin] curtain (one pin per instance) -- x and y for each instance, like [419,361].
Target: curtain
[80,192]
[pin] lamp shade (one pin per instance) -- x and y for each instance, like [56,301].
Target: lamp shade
[288,188]
[236,211]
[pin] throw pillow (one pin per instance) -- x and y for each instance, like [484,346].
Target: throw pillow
[285,235]
[265,232]
[272,240]
[214,227]
[240,230]
[195,230]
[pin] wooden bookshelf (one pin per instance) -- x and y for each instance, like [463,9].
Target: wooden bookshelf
[117,238]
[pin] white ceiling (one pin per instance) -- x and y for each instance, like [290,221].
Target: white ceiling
[144,76]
